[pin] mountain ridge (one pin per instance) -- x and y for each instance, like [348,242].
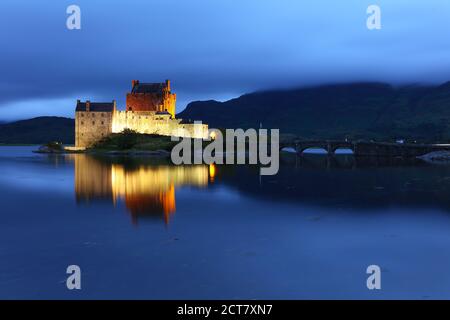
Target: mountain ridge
[364,110]
[38,130]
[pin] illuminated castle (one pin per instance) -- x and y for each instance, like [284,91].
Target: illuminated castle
[150,108]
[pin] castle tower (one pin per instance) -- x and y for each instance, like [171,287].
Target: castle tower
[155,97]
[93,121]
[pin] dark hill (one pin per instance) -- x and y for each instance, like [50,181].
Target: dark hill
[359,110]
[38,130]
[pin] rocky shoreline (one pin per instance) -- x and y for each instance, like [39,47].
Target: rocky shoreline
[152,153]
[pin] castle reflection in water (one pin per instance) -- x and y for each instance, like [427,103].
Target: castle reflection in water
[147,189]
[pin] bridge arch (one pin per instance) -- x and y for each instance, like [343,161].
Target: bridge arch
[342,148]
[289,149]
[313,150]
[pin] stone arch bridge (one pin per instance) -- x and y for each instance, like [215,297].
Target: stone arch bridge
[365,148]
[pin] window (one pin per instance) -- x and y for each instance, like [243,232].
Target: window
[93,122]
[82,122]
[93,115]
[82,114]
[103,122]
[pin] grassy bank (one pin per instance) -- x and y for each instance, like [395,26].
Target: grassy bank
[132,141]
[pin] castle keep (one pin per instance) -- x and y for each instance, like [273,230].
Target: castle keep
[151,97]
[150,108]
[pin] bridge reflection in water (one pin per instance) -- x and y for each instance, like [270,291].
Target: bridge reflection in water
[148,190]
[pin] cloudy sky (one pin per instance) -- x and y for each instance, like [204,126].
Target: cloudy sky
[210,49]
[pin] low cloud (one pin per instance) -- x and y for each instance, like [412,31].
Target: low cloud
[210,49]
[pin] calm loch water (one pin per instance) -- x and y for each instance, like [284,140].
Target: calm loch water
[142,228]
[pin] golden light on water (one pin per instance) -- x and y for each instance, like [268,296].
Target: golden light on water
[146,190]
[212,172]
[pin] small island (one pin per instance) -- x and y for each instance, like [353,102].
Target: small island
[127,142]
[144,128]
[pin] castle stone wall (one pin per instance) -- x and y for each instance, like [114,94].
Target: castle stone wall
[152,123]
[91,127]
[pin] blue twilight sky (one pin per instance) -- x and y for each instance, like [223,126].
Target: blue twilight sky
[210,49]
